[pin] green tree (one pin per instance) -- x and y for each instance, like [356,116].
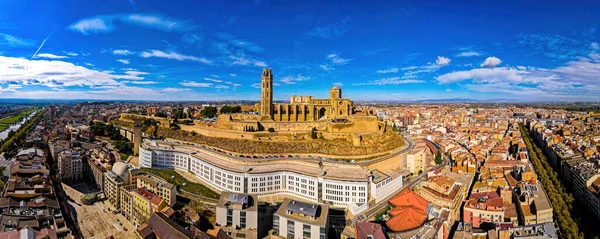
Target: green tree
[174,126]
[178,114]
[438,158]
[161,114]
[209,112]
[271,130]
[194,133]
[123,146]
[225,109]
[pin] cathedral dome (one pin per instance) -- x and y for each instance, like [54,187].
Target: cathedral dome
[122,170]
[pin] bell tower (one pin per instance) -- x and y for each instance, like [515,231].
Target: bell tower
[266,99]
[335,92]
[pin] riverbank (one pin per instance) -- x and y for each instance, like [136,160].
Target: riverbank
[15,121]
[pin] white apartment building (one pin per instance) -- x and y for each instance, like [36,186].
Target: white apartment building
[331,184]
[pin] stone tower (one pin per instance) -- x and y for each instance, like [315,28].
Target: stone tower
[137,136]
[335,93]
[266,99]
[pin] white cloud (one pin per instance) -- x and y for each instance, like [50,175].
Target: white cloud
[491,61]
[50,73]
[92,25]
[391,70]
[336,59]
[174,90]
[391,81]
[468,54]
[213,80]
[595,46]
[232,75]
[256,85]
[143,82]
[195,84]
[122,52]
[159,22]
[13,41]
[70,53]
[243,61]
[338,84]
[442,61]
[50,56]
[482,74]
[326,67]
[106,23]
[174,56]
[260,64]
[131,75]
[290,80]
[222,87]
[574,80]
[124,61]
[449,90]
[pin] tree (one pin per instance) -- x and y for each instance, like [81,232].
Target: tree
[225,109]
[194,133]
[178,114]
[271,130]
[123,146]
[420,171]
[174,126]
[161,114]
[438,158]
[209,112]
[230,110]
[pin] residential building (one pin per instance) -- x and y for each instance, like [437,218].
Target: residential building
[144,204]
[419,158]
[533,204]
[238,216]
[159,187]
[299,219]
[70,165]
[483,208]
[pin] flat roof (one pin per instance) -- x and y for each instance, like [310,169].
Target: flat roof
[255,166]
[320,218]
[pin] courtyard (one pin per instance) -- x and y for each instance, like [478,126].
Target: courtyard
[97,220]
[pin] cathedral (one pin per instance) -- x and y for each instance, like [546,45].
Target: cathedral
[302,108]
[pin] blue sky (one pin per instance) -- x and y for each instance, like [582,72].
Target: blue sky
[375,50]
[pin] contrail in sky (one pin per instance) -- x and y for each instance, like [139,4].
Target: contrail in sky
[43,42]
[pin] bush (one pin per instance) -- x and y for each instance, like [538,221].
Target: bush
[271,130]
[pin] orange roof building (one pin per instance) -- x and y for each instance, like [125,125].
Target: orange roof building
[409,211]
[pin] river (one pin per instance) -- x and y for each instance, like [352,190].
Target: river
[15,126]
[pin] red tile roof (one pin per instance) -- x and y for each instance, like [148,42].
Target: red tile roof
[410,211]
[364,229]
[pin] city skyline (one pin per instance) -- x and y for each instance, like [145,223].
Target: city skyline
[409,50]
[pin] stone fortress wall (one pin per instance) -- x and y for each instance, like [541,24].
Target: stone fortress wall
[339,131]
